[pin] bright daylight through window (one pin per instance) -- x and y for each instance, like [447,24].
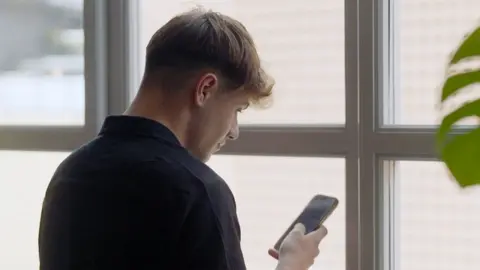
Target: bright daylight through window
[398,210]
[41,64]
[304,25]
[266,204]
[425,33]
[437,222]
[24,177]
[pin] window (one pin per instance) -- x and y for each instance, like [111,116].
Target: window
[24,177]
[51,100]
[271,191]
[437,223]
[41,84]
[425,32]
[52,82]
[354,116]
[313,28]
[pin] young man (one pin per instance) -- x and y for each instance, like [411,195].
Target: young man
[139,196]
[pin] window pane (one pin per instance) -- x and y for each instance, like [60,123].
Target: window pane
[24,177]
[272,191]
[438,223]
[428,32]
[41,65]
[300,42]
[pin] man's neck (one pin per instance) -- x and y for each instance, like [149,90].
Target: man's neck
[168,115]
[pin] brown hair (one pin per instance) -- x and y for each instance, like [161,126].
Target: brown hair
[200,39]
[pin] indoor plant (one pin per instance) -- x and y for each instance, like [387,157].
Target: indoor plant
[461,153]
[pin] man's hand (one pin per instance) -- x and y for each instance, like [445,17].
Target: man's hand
[299,250]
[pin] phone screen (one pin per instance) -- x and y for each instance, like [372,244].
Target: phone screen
[313,215]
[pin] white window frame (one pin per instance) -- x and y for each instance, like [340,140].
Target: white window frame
[111,72]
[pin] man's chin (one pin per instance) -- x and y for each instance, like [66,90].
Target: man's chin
[213,152]
[217,148]
[207,157]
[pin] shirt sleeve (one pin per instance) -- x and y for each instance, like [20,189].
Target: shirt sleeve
[212,238]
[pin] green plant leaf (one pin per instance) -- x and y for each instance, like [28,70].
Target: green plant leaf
[459,81]
[461,153]
[468,109]
[469,47]
[462,157]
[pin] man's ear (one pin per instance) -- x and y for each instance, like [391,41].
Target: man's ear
[206,87]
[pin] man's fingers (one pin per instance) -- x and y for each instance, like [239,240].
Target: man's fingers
[318,234]
[299,228]
[272,252]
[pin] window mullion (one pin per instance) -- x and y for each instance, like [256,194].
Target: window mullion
[369,194]
[122,23]
[352,185]
[289,141]
[95,25]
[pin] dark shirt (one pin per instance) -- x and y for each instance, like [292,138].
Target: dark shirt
[134,198]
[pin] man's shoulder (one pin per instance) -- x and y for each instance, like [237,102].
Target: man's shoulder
[169,172]
[103,162]
[214,184]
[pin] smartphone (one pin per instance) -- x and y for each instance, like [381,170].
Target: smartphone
[313,215]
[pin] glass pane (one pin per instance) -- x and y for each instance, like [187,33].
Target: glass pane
[438,223]
[24,177]
[41,65]
[301,43]
[270,193]
[427,32]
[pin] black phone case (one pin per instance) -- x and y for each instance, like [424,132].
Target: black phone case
[312,216]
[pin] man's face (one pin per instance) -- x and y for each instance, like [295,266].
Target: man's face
[214,121]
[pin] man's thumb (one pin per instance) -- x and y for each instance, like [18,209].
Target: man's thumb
[299,228]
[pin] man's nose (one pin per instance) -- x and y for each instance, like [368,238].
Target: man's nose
[233,133]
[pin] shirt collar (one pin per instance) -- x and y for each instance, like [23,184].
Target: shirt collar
[123,125]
